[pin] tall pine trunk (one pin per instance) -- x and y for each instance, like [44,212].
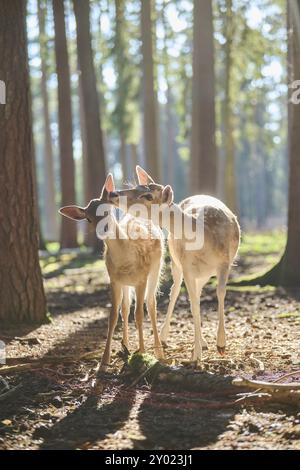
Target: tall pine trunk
[169,177]
[122,84]
[51,225]
[203,145]
[228,137]
[151,144]
[95,158]
[68,234]
[287,271]
[290,265]
[22,297]
[88,233]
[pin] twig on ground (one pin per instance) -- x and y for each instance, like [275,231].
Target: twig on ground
[29,363]
[257,362]
[141,376]
[10,392]
[285,376]
[3,381]
[259,385]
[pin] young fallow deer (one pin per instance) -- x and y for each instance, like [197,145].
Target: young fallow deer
[221,238]
[134,256]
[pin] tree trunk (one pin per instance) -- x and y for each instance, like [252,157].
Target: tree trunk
[290,271]
[151,144]
[89,239]
[203,145]
[169,178]
[287,271]
[68,235]
[123,158]
[228,139]
[51,225]
[96,168]
[134,157]
[22,297]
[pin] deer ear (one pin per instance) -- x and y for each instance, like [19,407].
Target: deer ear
[167,195]
[109,185]
[143,178]
[73,212]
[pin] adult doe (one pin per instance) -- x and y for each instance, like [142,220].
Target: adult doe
[131,261]
[221,238]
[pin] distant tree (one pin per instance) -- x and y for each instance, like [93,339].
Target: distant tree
[68,234]
[51,225]
[171,163]
[95,158]
[151,144]
[21,287]
[203,149]
[228,130]
[125,111]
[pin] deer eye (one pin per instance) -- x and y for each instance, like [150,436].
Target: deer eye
[148,197]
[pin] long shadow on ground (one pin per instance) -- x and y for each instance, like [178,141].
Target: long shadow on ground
[91,422]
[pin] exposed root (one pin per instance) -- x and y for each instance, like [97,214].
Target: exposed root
[259,385]
[30,364]
[9,392]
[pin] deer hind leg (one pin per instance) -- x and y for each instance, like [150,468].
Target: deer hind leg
[221,292]
[194,288]
[175,289]
[152,308]
[126,301]
[200,284]
[116,291]
[139,314]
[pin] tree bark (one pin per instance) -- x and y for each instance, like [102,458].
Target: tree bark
[228,139]
[287,271]
[169,178]
[134,157]
[22,297]
[123,157]
[150,119]
[51,225]
[290,271]
[96,168]
[203,146]
[68,234]
[89,239]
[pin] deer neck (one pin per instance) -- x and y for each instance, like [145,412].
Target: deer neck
[116,237]
[177,222]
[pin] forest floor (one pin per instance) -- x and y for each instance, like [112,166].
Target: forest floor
[56,407]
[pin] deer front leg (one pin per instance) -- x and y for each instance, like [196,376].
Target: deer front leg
[152,308]
[125,314]
[175,289]
[116,292]
[139,314]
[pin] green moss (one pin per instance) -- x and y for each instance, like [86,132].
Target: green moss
[266,243]
[145,363]
[289,315]
[140,362]
[249,288]
[60,262]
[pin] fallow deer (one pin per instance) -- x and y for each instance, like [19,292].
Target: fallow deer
[134,256]
[215,256]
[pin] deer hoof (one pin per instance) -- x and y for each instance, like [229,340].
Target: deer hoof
[221,350]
